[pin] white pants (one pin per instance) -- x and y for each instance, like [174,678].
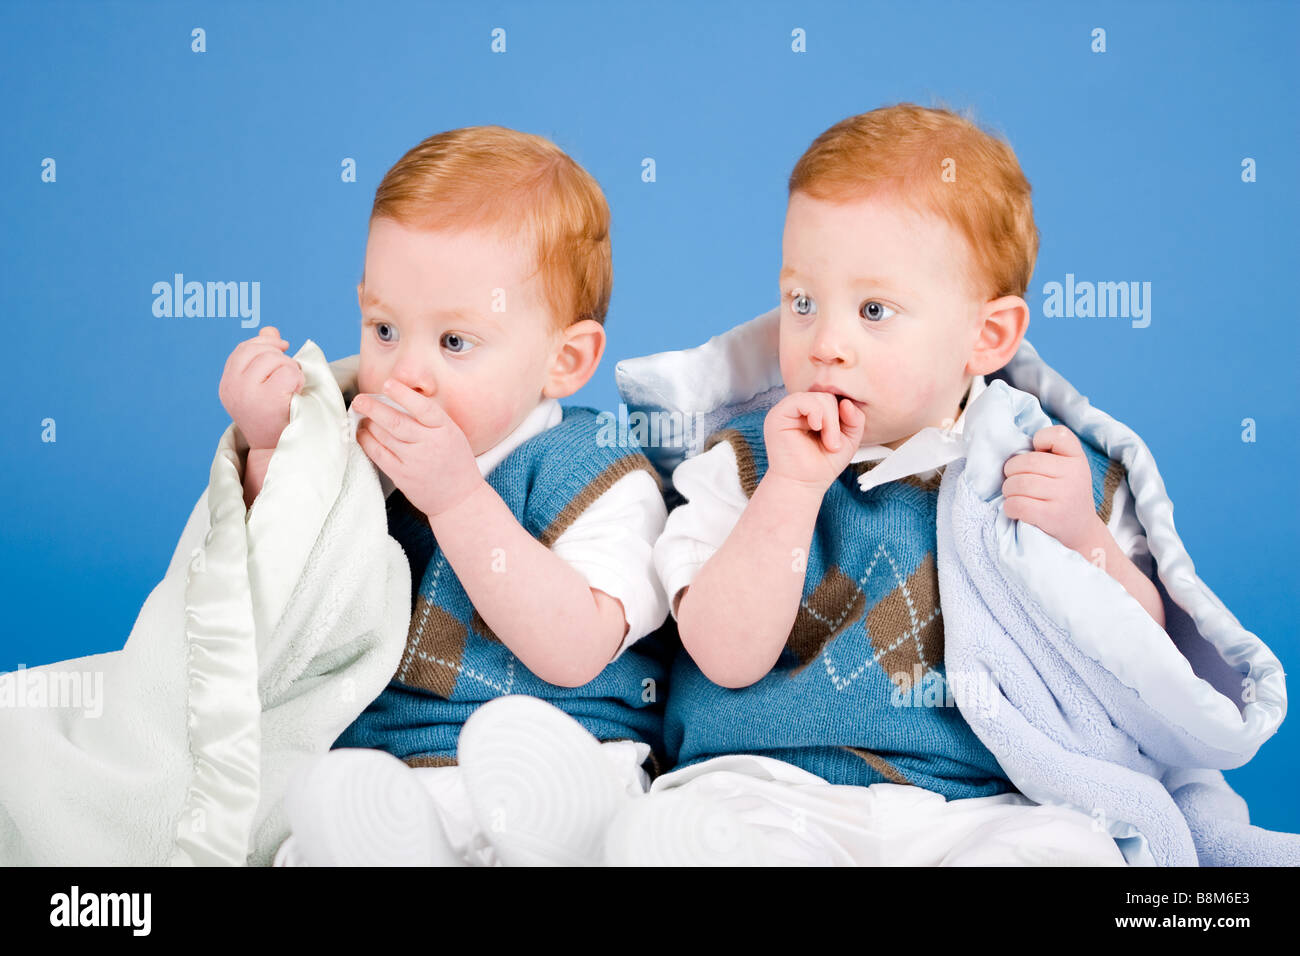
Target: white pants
[815,823]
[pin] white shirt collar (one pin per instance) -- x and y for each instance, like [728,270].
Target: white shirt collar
[922,453]
[548,413]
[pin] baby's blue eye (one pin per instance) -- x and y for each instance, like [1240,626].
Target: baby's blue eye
[802,304]
[455,343]
[875,311]
[384,325]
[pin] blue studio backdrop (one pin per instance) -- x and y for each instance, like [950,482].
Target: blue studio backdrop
[1161,150]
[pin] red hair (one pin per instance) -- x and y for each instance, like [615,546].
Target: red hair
[905,151]
[512,182]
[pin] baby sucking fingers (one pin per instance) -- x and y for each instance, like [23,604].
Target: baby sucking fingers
[851,417]
[830,433]
[852,420]
[811,412]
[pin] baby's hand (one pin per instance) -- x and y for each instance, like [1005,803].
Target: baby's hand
[1051,488]
[256,386]
[425,454]
[811,436]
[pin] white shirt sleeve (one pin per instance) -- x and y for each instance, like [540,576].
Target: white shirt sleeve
[611,545]
[715,500]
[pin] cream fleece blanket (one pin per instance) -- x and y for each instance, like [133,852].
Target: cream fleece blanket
[269,633]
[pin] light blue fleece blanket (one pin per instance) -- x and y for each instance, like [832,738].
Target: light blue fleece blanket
[1084,700]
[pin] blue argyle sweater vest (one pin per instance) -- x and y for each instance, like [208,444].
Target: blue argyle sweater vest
[453,662]
[859,694]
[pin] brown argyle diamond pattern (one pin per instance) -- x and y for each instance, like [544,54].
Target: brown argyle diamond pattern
[905,626]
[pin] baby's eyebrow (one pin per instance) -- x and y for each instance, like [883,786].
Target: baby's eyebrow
[883,284]
[463,314]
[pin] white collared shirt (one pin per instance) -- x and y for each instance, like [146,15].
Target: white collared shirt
[715,498]
[611,543]
[922,454]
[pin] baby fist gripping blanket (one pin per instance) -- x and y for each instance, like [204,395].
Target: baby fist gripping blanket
[1082,697]
[269,633]
[1084,700]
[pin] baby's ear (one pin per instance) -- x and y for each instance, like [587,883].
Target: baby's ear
[577,352]
[1002,325]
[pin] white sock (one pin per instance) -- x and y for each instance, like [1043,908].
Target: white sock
[541,788]
[357,807]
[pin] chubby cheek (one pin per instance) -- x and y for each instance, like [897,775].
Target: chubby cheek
[484,417]
[463,410]
[917,371]
[916,389]
[371,373]
[498,420]
[924,408]
[796,372]
[371,381]
[889,382]
[899,392]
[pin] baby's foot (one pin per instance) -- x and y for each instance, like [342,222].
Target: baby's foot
[356,807]
[541,788]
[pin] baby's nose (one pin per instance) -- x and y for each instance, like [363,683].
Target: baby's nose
[419,380]
[829,349]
